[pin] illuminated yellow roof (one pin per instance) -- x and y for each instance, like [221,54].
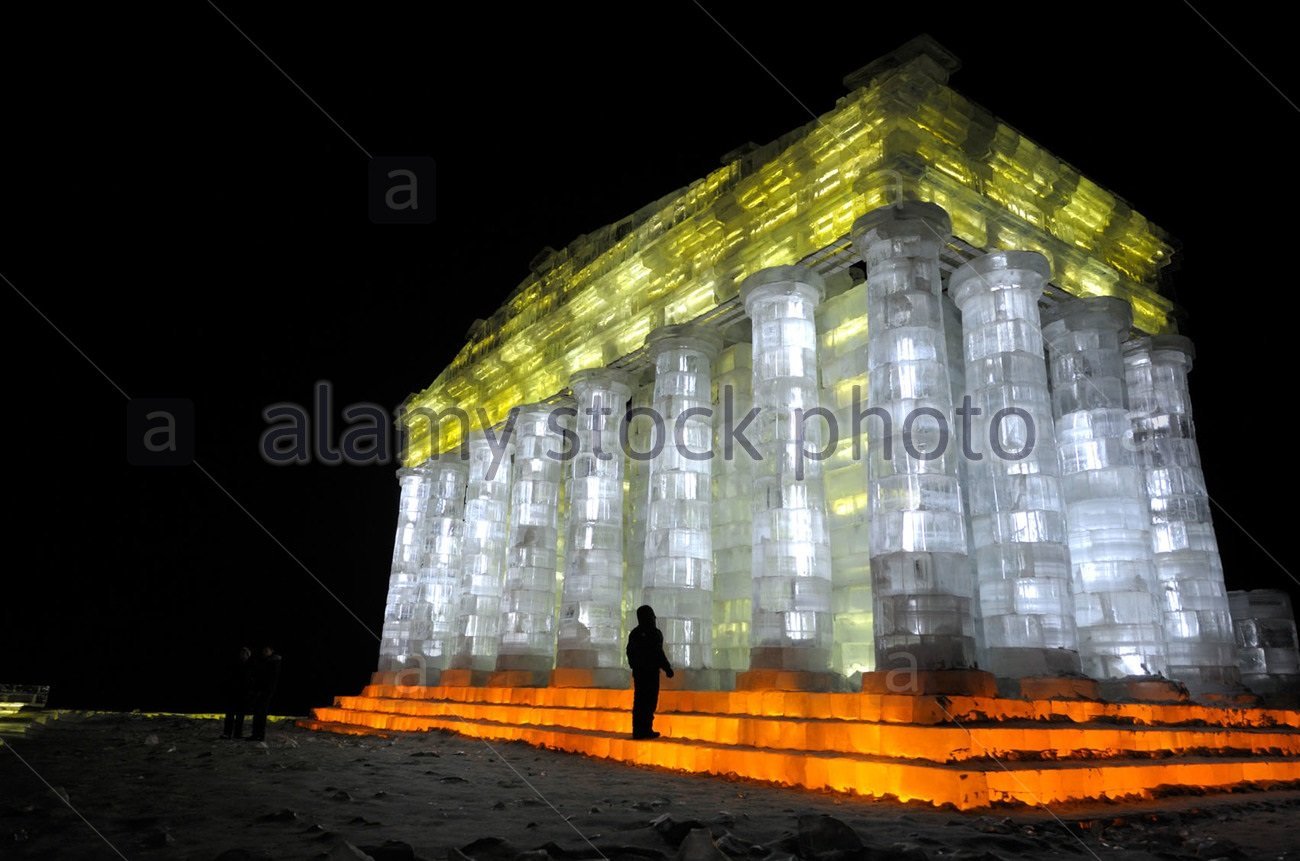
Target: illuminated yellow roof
[902,134]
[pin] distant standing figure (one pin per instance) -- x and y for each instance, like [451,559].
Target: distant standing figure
[645,655]
[236,693]
[265,674]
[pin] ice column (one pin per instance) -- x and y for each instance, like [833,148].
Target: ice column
[678,572]
[591,623]
[1266,640]
[733,515]
[440,557]
[397,647]
[483,556]
[842,351]
[1017,512]
[528,600]
[792,626]
[1198,623]
[1116,593]
[639,431]
[921,573]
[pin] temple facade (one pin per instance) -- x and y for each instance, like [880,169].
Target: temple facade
[892,400]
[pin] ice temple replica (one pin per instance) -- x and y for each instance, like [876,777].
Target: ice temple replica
[967,532]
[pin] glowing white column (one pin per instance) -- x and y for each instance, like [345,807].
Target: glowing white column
[396,650]
[921,574]
[1017,512]
[1198,622]
[591,609]
[529,598]
[1116,592]
[637,474]
[678,568]
[444,532]
[483,556]
[792,624]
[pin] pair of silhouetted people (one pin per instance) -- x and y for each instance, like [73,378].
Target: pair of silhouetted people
[645,655]
[250,685]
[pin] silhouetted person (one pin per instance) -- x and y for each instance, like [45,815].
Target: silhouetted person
[265,673]
[645,655]
[236,683]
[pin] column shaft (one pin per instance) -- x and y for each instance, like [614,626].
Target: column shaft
[441,557]
[1197,619]
[395,650]
[792,625]
[733,514]
[590,627]
[1116,593]
[678,568]
[921,573]
[1017,511]
[483,557]
[528,604]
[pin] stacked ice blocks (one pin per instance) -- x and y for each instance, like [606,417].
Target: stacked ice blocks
[440,557]
[733,517]
[921,573]
[529,598]
[400,612]
[791,627]
[591,624]
[1266,640]
[483,554]
[1116,592]
[1197,621]
[1017,512]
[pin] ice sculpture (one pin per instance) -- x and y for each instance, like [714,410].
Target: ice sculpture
[483,554]
[1116,592]
[1266,640]
[440,557]
[678,569]
[1017,512]
[636,480]
[1198,623]
[396,647]
[733,515]
[529,598]
[842,351]
[591,610]
[791,626]
[920,571]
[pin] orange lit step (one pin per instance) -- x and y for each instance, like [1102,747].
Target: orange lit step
[966,786]
[935,743]
[885,708]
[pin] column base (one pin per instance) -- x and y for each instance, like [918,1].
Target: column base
[1051,688]
[591,677]
[789,680]
[1145,689]
[411,677]
[1243,699]
[704,679]
[519,679]
[465,678]
[802,659]
[1023,663]
[953,683]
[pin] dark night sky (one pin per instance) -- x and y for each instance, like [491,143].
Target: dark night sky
[200,230]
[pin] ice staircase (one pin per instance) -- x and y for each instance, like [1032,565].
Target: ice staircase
[969,752]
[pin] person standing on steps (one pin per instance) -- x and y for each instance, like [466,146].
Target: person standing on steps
[236,691]
[645,655]
[264,676]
